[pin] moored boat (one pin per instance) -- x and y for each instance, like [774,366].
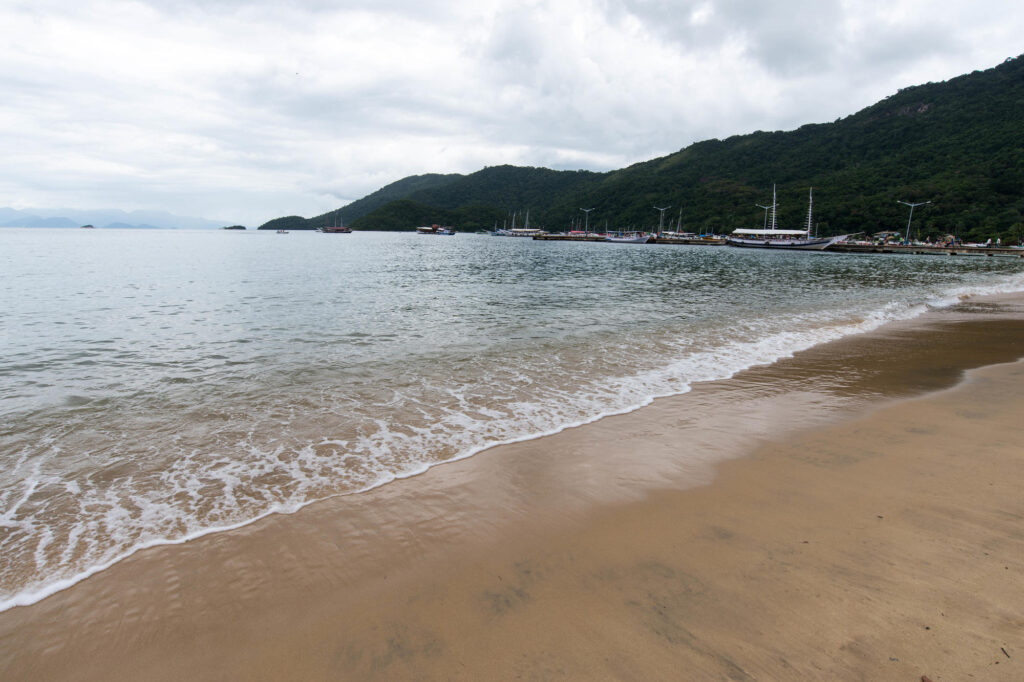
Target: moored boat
[435,229]
[336,228]
[773,238]
[630,238]
[525,231]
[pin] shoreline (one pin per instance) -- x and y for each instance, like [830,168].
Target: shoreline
[869,325]
[463,523]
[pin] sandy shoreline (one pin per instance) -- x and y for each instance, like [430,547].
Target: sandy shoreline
[879,544]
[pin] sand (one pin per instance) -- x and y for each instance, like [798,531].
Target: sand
[852,513]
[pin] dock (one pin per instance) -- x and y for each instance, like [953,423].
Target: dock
[568,238]
[695,241]
[840,247]
[654,240]
[921,249]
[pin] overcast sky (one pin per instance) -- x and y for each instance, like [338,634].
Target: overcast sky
[244,111]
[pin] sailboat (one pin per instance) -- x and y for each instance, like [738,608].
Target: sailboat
[514,231]
[773,238]
[628,238]
[337,229]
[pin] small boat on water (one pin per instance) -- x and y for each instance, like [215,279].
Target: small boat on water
[282,232]
[525,231]
[336,229]
[690,238]
[435,229]
[629,238]
[772,238]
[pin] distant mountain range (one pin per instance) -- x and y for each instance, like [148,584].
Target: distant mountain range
[102,218]
[958,144]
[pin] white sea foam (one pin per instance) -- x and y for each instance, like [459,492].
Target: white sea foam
[276,461]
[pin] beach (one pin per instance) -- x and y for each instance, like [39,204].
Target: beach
[853,512]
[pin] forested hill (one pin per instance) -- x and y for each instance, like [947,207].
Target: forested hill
[958,144]
[396,190]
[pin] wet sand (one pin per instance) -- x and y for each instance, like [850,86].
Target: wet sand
[854,512]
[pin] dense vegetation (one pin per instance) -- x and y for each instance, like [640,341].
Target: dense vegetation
[958,144]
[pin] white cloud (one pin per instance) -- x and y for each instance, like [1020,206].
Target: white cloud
[249,110]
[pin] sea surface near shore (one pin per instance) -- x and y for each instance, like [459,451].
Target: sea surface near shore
[166,385]
[865,527]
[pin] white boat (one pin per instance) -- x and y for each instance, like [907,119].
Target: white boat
[629,238]
[434,229]
[525,231]
[772,238]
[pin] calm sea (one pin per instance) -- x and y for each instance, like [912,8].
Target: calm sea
[159,385]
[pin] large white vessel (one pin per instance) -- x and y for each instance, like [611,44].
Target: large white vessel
[772,238]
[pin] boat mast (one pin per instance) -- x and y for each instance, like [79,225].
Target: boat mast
[810,206]
[766,209]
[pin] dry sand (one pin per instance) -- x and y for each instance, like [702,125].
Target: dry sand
[881,538]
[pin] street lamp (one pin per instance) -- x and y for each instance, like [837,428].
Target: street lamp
[765,214]
[661,221]
[912,206]
[774,205]
[587,211]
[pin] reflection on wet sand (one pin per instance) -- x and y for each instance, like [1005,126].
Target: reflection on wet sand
[856,537]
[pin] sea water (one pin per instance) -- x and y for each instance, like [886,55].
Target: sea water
[159,385]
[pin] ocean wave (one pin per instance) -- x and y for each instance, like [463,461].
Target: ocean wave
[65,519]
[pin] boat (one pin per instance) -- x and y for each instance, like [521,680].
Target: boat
[525,231]
[336,229]
[630,238]
[773,238]
[282,232]
[690,238]
[435,229]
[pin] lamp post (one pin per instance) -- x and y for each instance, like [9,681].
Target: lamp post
[587,211]
[661,221]
[765,214]
[774,205]
[912,207]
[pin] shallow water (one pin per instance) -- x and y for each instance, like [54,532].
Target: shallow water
[157,385]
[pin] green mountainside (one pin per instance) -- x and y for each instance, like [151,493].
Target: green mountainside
[396,190]
[958,144]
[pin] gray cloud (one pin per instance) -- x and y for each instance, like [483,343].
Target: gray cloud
[245,110]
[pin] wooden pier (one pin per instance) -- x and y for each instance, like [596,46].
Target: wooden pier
[840,247]
[920,249]
[694,241]
[654,240]
[568,238]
